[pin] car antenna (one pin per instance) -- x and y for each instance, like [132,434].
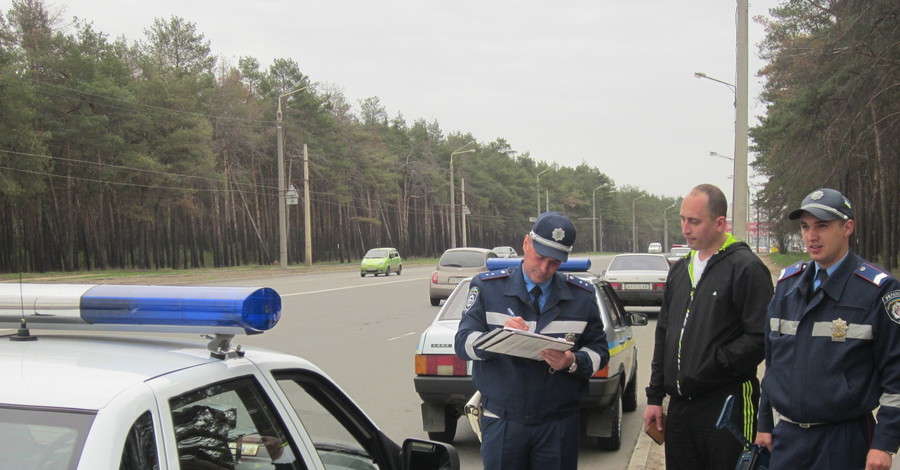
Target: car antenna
[22,334]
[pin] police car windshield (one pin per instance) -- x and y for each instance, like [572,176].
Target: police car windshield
[43,438]
[377,254]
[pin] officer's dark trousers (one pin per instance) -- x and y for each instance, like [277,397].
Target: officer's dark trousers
[508,445]
[692,440]
[842,446]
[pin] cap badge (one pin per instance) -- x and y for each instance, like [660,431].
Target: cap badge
[558,234]
[816,195]
[839,330]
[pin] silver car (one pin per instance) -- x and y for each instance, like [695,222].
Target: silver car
[455,265]
[638,278]
[505,252]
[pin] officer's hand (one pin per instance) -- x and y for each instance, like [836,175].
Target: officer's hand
[558,360]
[764,439]
[878,460]
[654,414]
[517,323]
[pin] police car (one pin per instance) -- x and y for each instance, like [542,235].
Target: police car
[121,396]
[444,381]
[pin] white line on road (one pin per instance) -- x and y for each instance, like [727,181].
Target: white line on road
[402,336]
[354,287]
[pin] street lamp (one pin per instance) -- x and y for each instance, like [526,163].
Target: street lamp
[282,192]
[453,195]
[741,185]
[537,182]
[594,213]
[666,227]
[634,224]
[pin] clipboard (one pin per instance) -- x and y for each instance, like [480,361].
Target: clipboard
[520,343]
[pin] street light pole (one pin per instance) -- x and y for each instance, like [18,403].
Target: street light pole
[453,193]
[594,212]
[537,182]
[666,227]
[634,224]
[282,192]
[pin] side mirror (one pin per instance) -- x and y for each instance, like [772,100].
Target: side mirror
[419,454]
[637,319]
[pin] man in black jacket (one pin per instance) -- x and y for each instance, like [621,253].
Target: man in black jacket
[709,339]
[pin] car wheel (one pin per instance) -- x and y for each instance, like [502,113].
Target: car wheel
[629,399]
[614,441]
[387,271]
[362,274]
[435,301]
[449,432]
[399,269]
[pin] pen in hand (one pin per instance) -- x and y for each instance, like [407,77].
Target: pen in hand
[516,321]
[511,313]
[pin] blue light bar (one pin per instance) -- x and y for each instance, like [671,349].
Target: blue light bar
[174,309]
[575,265]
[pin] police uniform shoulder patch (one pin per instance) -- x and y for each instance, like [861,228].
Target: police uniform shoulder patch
[579,282]
[871,273]
[472,297]
[891,302]
[792,270]
[488,275]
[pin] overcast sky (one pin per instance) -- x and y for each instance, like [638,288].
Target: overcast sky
[605,82]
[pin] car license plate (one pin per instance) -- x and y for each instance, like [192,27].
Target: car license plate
[637,286]
[455,280]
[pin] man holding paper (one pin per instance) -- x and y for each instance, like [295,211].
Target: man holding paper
[530,418]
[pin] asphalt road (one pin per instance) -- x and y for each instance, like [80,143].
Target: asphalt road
[363,332]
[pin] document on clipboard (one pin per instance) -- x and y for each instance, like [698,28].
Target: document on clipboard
[520,343]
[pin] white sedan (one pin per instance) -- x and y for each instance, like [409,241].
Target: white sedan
[638,278]
[117,396]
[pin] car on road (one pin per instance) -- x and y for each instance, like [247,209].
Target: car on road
[677,253]
[505,252]
[444,381]
[654,247]
[381,261]
[639,279]
[455,265]
[114,394]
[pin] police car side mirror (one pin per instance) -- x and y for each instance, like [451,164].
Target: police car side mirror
[637,319]
[419,454]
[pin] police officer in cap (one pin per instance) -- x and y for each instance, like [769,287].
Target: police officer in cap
[832,351]
[530,418]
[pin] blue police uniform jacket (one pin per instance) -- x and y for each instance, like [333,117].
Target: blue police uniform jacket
[525,390]
[836,357]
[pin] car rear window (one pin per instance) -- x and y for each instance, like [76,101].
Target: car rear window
[462,259]
[455,305]
[625,263]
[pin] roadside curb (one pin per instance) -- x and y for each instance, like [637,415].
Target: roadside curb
[643,456]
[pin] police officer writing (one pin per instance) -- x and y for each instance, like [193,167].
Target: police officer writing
[832,351]
[530,418]
[709,339]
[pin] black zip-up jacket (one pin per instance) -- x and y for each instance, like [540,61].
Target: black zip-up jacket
[711,336]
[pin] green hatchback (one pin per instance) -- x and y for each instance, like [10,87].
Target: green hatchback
[381,261]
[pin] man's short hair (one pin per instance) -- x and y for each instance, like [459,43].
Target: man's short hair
[716,205]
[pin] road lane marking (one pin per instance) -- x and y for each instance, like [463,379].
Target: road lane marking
[354,287]
[401,336]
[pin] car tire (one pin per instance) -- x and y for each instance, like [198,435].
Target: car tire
[399,269]
[629,399]
[387,271]
[435,301]
[362,274]
[614,441]
[451,419]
